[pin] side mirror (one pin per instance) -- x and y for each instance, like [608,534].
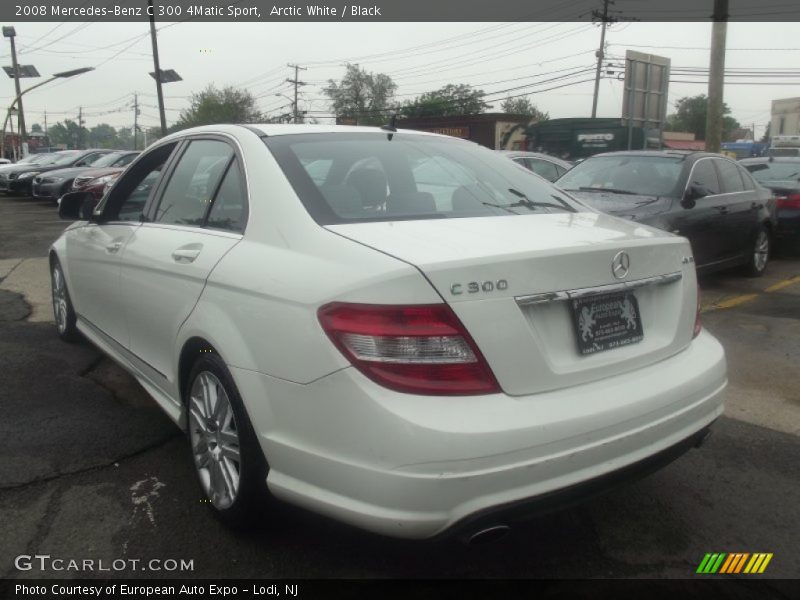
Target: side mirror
[692,195]
[77,206]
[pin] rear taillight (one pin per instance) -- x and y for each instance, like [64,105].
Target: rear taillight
[697,324]
[417,349]
[790,201]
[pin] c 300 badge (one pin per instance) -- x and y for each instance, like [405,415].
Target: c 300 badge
[473,287]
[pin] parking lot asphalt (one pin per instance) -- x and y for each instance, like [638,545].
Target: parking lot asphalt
[94,470]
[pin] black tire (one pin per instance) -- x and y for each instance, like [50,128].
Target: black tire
[63,312]
[759,253]
[252,497]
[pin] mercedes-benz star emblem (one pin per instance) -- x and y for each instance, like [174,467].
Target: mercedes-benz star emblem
[620,265]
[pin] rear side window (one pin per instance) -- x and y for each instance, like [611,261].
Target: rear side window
[747,180]
[229,210]
[704,177]
[729,176]
[193,182]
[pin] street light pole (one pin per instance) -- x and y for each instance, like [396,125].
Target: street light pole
[11,33]
[157,66]
[63,75]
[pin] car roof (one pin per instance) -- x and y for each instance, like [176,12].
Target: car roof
[275,129]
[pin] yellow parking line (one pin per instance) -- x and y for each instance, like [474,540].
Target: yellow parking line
[735,301]
[782,284]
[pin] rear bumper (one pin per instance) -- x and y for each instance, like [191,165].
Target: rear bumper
[788,224]
[415,467]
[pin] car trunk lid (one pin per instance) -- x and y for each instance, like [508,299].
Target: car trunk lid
[514,281]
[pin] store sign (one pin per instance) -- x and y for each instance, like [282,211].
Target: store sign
[595,140]
[459,132]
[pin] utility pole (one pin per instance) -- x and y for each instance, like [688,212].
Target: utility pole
[716,76]
[600,51]
[136,121]
[157,66]
[80,128]
[296,82]
[46,135]
[15,65]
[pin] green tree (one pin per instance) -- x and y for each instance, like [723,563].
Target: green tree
[766,135]
[690,115]
[68,134]
[523,106]
[451,100]
[212,105]
[102,136]
[36,128]
[360,95]
[124,138]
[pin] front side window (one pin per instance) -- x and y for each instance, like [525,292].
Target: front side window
[704,178]
[626,174]
[192,184]
[127,200]
[380,177]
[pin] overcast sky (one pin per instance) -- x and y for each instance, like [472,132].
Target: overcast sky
[418,56]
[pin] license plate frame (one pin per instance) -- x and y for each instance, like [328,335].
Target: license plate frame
[606,321]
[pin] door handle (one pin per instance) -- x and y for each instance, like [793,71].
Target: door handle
[185,255]
[114,247]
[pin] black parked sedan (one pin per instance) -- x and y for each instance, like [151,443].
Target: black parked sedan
[782,176]
[18,180]
[728,217]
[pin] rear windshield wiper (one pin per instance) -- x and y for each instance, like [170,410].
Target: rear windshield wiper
[607,190]
[531,204]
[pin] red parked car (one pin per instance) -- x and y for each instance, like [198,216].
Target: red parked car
[110,173]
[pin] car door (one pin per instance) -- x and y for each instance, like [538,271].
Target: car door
[169,258]
[701,220]
[738,205]
[94,250]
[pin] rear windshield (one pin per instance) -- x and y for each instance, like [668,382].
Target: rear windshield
[775,171]
[625,174]
[350,178]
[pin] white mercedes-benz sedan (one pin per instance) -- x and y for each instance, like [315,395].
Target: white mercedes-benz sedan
[404,331]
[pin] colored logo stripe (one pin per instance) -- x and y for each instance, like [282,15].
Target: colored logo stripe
[723,563]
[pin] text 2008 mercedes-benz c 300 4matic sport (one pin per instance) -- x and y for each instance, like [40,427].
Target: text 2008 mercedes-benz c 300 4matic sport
[400,330]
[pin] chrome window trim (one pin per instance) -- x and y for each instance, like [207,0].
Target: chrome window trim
[547,297]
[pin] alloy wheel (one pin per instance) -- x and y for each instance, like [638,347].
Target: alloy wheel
[761,253]
[60,308]
[215,440]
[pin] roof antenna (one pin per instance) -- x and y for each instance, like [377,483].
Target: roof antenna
[391,128]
